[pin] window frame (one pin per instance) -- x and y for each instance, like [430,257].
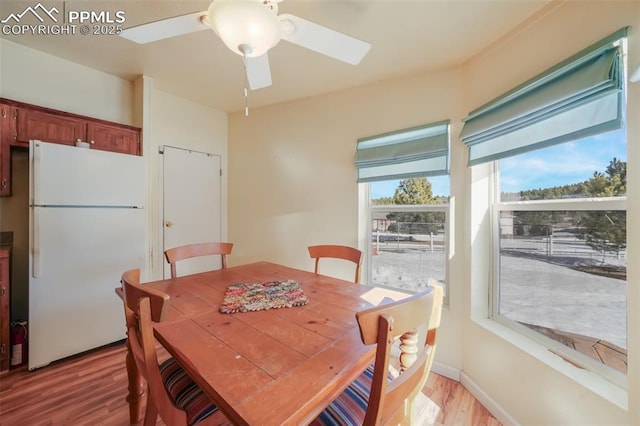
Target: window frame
[418,208]
[574,204]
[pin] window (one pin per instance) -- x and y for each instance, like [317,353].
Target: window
[408,232]
[558,146]
[406,174]
[561,258]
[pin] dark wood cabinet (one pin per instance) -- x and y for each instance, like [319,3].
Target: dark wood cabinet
[112,138]
[44,126]
[7,125]
[5,344]
[21,122]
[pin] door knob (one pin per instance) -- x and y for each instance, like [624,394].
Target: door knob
[168,224]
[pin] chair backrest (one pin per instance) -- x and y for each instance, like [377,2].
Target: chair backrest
[337,252]
[132,290]
[176,254]
[384,325]
[142,306]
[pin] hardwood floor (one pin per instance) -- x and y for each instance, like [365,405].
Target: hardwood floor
[91,389]
[457,406]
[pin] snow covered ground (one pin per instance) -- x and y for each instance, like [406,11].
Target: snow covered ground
[539,286]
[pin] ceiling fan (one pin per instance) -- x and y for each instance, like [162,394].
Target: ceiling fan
[250,28]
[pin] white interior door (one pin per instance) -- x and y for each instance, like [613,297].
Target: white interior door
[191,211]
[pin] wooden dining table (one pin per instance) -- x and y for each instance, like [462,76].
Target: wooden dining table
[268,367]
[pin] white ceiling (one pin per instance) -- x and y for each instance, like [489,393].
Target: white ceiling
[407,36]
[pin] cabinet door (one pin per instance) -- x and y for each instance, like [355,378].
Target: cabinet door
[5,347]
[113,138]
[34,124]
[7,127]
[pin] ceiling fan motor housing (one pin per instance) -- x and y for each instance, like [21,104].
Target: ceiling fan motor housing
[248,27]
[272,5]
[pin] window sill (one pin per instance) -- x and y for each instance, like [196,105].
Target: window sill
[595,383]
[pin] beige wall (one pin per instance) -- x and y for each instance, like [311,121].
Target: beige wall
[633,225]
[35,77]
[180,123]
[542,396]
[31,76]
[292,183]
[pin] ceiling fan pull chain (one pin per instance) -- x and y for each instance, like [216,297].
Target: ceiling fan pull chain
[246,84]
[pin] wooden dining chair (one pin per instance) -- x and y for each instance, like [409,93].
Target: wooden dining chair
[176,254]
[378,397]
[336,252]
[170,391]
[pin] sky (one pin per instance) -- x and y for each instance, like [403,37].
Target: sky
[563,164]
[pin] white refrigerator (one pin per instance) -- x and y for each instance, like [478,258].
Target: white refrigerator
[87,226]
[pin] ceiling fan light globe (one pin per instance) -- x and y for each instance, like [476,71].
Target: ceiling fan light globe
[242,23]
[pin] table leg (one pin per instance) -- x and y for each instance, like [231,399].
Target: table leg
[136,388]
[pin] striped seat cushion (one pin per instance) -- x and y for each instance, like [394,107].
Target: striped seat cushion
[350,407]
[185,393]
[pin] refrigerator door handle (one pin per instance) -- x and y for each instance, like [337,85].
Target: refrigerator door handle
[35,183]
[35,244]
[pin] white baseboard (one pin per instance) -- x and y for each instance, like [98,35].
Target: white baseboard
[446,371]
[491,405]
[459,376]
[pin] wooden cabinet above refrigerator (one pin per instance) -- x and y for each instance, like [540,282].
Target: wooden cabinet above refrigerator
[46,126]
[22,122]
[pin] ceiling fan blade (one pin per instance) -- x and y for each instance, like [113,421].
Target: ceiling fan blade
[165,28]
[322,39]
[258,71]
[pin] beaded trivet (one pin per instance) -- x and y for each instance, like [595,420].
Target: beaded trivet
[262,296]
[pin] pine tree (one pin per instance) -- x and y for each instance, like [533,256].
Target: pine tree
[606,231]
[415,191]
